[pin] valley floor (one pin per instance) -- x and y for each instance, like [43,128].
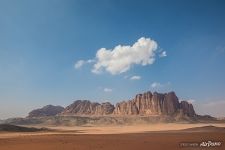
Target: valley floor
[139,137]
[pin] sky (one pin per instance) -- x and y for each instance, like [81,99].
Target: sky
[58,51]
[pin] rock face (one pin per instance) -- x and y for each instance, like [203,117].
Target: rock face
[170,104]
[48,110]
[85,107]
[187,108]
[81,107]
[126,108]
[154,104]
[104,109]
[146,104]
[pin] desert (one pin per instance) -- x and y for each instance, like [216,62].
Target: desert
[148,121]
[155,136]
[112,74]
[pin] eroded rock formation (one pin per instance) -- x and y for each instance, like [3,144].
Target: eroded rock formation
[85,107]
[48,110]
[143,104]
[154,104]
[104,109]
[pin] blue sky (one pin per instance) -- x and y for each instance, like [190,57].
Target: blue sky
[41,42]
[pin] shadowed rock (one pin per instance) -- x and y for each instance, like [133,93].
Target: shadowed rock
[187,108]
[48,110]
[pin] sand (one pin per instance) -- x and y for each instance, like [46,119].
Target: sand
[138,137]
[139,128]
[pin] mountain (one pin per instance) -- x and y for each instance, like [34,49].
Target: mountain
[144,108]
[104,109]
[146,104]
[155,104]
[48,110]
[85,107]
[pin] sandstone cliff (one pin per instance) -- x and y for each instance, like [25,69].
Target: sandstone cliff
[104,109]
[187,108]
[146,104]
[154,104]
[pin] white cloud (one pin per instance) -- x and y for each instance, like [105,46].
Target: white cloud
[163,54]
[80,63]
[107,90]
[156,85]
[135,78]
[121,58]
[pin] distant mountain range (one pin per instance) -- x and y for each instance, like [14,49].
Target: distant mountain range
[144,108]
[146,104]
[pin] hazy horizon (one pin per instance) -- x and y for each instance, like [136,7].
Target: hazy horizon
[57,51]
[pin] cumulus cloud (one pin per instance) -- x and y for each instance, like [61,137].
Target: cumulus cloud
[121,58]
[135,78]
[163,54]
[80,63]
[107,90]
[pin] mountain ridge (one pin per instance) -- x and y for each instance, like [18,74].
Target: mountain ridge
[145,108]
[143,104]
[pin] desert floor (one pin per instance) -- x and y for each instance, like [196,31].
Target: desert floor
[135,137]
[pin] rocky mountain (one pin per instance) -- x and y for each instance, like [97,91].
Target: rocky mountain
[154,104]
[144,108]
[104,109]
[146,104]
[85,107]
[187,108]
[48,110]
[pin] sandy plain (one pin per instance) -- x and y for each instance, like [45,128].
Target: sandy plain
[135,137]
